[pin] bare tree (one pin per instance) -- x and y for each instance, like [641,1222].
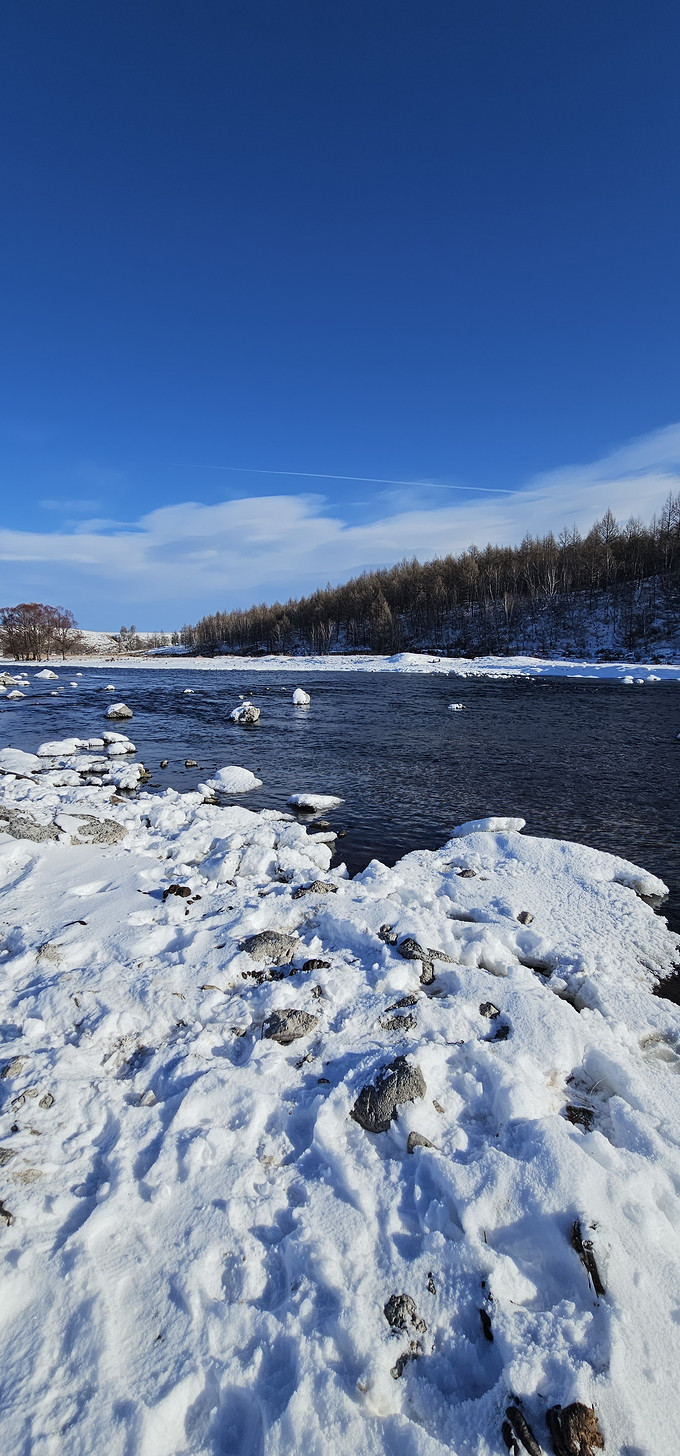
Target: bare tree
[32,630]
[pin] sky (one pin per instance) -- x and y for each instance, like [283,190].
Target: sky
[252,249]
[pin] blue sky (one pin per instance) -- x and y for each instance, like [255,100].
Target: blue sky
[428,242]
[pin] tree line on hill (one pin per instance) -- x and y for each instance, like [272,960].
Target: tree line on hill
[32,631]
[615,589]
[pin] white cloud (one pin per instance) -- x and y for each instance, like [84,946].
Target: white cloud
[181,560]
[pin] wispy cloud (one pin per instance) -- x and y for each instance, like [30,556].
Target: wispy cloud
[181,560]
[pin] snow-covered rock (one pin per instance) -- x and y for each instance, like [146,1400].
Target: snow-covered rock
[456,707]
[233,780]
[119,710]
[15,694]
[314,803]
[47,675]
[245,713]
[301,698]
[14,760]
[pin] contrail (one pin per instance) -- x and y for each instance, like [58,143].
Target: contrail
[363,479]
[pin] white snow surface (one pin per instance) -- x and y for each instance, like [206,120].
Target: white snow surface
[202,1240]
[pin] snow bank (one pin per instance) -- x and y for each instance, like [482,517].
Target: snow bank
[166,659]
[204,1250]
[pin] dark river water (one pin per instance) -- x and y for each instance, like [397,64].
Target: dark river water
[597,762]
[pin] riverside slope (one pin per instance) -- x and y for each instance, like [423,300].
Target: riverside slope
[198,1240]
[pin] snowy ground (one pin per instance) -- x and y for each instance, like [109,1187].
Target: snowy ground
[198,1240]
[494,667]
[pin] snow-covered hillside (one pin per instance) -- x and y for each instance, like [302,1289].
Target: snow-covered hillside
[205,1246]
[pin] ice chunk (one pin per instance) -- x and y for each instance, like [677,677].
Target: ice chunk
[300,697]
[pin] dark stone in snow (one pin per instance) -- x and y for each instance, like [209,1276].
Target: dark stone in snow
[574,1430]
[400,1312]
[376,1105]
[183,891]
[13,1068]
[522,1429]
[486,1325]
[271,945]
[287,1026]
[525,917]
[410,1000]
[487,1008]
[319,887]
[316,965]
[580,1116]
[388,935]
[466,874]
[417,1140]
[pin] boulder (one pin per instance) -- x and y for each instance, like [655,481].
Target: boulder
[119,710]
[245,713]
[301,698]
[47,674]
[288,1026]
[376,1105]
[275,946]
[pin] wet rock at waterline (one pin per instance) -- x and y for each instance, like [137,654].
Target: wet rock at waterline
[119,710]
[245,714]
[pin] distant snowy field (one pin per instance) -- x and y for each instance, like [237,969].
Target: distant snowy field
[491,667]
[200,1243]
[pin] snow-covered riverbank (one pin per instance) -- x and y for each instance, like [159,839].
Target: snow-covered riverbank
[404,662]
[200,1242]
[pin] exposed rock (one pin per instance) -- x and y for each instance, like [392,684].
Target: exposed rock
[580,1116]
[316,965]
[417,1140]
[13,1068]
[517,1420]
[99,831]
[5,1214]
[246,713]
[376,1106]
[183,891]
[574,1430]
[318,887]
[27,1175]
[584,1249]
[20,826]
[46,1101]
[488,1009]
[6,1155]
[119,710]
[486,1325]
[164,762]
[466,874]
[525,917]
[190,763]
[388,935]
[410,1000]
[275,946]
[287,1026]
[398,1023]
[400,1312]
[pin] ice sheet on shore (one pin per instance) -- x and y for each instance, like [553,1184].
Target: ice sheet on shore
[202,1239]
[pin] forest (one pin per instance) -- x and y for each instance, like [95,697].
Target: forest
[614,590]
